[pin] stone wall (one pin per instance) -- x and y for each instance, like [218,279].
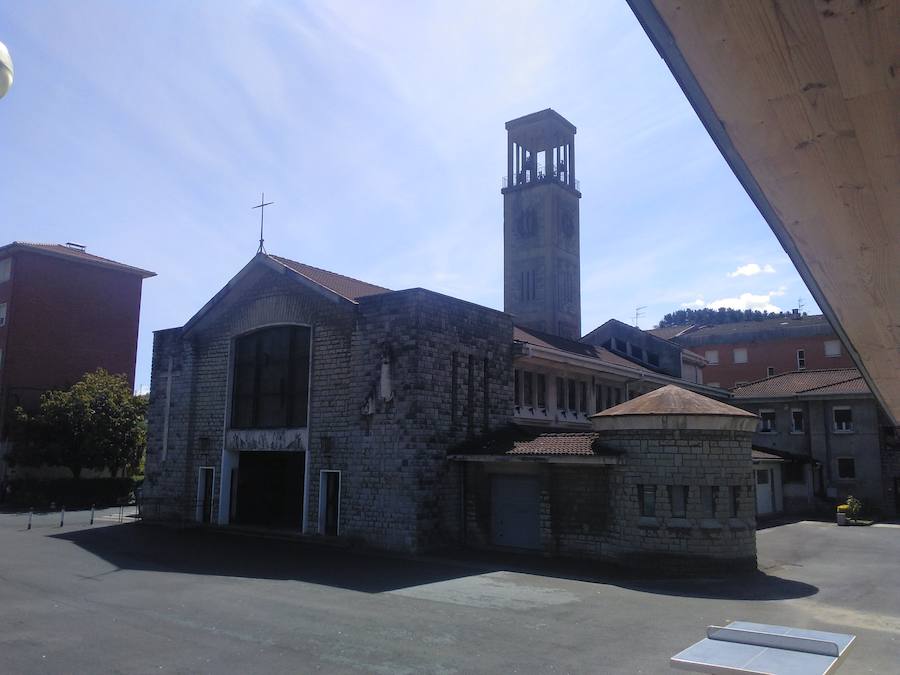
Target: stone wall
[698,459]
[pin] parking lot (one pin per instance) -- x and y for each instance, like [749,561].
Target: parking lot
[136,598]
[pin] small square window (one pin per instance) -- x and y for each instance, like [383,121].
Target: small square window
[797,422]
[712,356]
[846,467]
[843,419]
[735,500]
[801,359]
[832,348]
[708,495]
[678,497]
[740,355]
[767,421]
[647,499]
[770,371]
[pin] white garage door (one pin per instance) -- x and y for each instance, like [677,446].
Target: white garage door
[514,511]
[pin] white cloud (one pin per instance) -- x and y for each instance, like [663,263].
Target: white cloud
[699,302]
[762,302]
[752,269]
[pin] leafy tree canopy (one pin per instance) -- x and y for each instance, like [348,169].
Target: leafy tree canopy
[707,315]
[97,423]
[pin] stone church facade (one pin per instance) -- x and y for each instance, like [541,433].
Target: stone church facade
[306,401]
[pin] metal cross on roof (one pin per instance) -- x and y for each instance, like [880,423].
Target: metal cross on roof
[262,210]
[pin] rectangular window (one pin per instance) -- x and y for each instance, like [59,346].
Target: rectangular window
[647,500]
[560,393]
[712,357]
[843,419]
[517,387]
[271,378]
[329,502]
[678,497]
[541,390]
[2,313]
[767,421]
[528,388]
[636,352]
[801,359]
[735,491]
[618,396]
[846,467]
[832,348]
[5,269]
[740,355]
[797,422]
[618,345]
[770,371]
[573,395]
[762,476]
[609,397]
[793,472]
[708,495]
[598,398]
[653,358]
[583,399]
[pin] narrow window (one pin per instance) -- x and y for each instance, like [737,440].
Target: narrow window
[5,269]
[832,348]
[770,371]
[708,495]
[560,393]
[485,395]
[609,397]
[470,408]
[517,384]
[528,388]
[767,421]
[647,500]
[801,359]
[454,384]
[329,503]
[573,395]
[797,422]
[735,500]
[712,357]
[598,398]
[678,496]
[653,358]
[843,419]
[583,399]
[618,396]
[846,468]
[2,313]
[541,390]
[740,355]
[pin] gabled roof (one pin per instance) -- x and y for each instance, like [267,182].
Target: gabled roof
[770,329]
[672,400]
[336,287]
[669,332]
[75,254]
[534,337]
[806,382]
[346,287]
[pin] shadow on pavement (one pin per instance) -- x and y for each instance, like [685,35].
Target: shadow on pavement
[207,552]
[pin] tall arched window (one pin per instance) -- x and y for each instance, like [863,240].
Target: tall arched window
[271,378]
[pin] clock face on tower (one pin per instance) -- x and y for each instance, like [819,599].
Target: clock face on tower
[526,223]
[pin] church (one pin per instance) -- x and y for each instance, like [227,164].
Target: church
[305,401]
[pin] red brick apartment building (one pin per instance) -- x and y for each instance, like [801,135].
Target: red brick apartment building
[746,351]
[63,312]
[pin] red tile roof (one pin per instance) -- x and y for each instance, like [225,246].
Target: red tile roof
[75,254]
[517,440]
[576,443]
[808,382]
[346,287]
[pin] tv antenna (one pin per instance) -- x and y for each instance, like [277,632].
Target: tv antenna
[262,212]
[638,313]
[800,305]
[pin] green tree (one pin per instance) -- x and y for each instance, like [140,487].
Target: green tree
[95,424]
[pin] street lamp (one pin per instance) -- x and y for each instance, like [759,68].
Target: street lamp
[6,70]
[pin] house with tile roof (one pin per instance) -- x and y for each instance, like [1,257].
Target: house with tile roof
[746,351]
[63,312]
[832,436]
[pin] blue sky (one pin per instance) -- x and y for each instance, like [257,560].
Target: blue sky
[147,131]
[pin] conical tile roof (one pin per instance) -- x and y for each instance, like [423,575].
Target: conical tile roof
[672,400]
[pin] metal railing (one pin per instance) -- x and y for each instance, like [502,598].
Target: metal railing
[539,178]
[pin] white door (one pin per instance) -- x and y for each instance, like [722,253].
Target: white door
[515,502]
[764,492]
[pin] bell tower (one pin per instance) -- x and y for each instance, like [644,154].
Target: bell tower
[541,258]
